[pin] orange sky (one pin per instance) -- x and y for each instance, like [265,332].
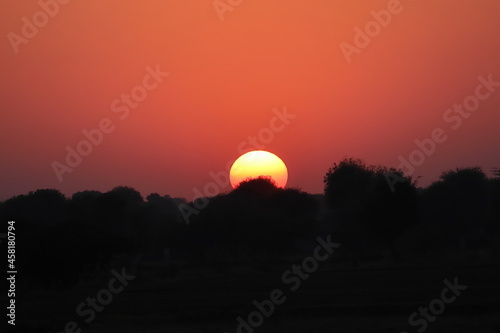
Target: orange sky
[226,77]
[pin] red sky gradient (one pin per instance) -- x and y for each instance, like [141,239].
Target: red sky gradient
[226,77]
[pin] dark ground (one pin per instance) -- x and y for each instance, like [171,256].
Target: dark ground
[336,298]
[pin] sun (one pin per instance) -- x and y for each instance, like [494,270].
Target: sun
[258,163]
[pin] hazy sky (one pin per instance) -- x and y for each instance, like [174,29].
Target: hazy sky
[227,71]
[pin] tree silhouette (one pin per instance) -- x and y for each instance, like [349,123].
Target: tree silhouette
[257,186]
[366,206]
[255,219]
[40,222]
[457,203]
[367,210]
[496,172]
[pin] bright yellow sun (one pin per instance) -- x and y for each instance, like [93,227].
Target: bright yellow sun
[258,163]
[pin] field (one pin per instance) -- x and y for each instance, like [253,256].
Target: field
[335,298]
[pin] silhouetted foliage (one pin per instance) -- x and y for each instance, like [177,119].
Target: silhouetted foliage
[364,202]
[40,222]
[81,235]
[254,219]
[368,208]
[260,186]
[458,204]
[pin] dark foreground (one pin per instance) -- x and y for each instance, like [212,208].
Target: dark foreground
[331,299]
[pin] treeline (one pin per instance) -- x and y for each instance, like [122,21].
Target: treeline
[58,239]
[369,209]
[376,207]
